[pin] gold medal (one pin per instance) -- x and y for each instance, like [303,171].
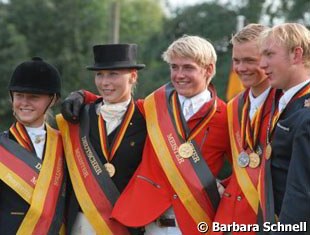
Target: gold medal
[186,150]
[268,151]
[110,169]
[254,160]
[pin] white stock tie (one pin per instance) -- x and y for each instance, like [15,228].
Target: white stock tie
[113,114]
[188,110]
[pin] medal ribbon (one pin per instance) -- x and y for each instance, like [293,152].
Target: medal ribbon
[93,187]
[181,125]
[244,179]
[250,130]
[119,136]
[20,134]
[44,192]
[265,188]
[237,110]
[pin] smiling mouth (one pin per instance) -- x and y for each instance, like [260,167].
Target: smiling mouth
[182,83]
[26,110]
[107,92]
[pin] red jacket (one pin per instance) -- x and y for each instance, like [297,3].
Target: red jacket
[149,193]
[234,206]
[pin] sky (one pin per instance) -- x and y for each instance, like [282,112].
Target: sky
[182,3]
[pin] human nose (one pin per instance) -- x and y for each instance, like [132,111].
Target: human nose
[104,80]
[177,72]
[22,99]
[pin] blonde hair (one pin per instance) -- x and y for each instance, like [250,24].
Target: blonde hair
[249,33]
[290,35]
[193,47]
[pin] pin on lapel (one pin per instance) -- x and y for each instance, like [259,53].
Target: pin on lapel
[307,103]
[39,138]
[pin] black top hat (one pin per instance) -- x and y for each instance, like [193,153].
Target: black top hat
[35,76]
[115,56]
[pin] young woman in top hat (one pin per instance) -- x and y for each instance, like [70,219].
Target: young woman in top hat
[104,149]
[32,185]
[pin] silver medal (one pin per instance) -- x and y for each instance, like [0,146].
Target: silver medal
[243,159]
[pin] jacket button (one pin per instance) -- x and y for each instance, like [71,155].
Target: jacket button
[239,198]
[132,143]
[175,196]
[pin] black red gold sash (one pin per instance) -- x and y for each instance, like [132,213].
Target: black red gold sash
[244,141]
[265,187]
[191,178]
[20,134]
[94,189]
[109,151]
[40,185]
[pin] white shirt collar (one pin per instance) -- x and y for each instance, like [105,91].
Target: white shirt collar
[256,102]
[198,100]
[38,138]
[288,95]
[36,130]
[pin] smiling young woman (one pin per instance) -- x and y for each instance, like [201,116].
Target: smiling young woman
[108,139]
[31,155]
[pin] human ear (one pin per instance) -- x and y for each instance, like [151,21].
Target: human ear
[298,55]
[133,76]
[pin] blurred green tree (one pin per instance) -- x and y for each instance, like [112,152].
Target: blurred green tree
[13,49]
[202,20]
[288,11]
[64,31]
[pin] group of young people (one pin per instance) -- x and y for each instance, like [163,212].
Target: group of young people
[116,165]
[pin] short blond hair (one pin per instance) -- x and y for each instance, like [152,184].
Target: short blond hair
[194,47]
[249,33]
[290,35]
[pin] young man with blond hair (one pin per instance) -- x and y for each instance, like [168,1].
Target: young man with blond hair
[248,116]
[286,60]
[174,187]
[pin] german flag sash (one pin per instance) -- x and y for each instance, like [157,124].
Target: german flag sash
[94,189]
[191,178]
[41,184]
[248,138]
[265,178]
[20,134]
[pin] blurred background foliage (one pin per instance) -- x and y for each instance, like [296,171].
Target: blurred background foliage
[64,31]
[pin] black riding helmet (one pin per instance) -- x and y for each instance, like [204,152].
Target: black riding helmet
[35,76]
